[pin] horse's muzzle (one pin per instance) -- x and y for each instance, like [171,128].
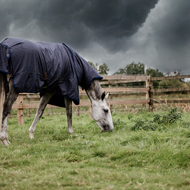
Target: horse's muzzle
[106,128]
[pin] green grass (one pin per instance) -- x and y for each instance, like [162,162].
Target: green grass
[89,159]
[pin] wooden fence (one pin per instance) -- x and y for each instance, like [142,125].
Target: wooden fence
[110,81]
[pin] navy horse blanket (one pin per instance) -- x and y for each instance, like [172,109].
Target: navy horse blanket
[44,67]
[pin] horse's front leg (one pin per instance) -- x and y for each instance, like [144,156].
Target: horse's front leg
[10,99]
[68,105]
[3,134]
[43,102]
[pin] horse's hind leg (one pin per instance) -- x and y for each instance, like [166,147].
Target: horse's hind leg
[10,99]
[43,102]
[68,105]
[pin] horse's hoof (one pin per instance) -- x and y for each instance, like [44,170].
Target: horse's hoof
[70,131]
[5,142]
[31,135]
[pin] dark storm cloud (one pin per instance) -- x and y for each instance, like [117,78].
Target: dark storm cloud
[116,32]
[172,35]
[107,22]
[17,13]
[78,22]
[174,28]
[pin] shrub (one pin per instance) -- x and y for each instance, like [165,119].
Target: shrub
[171,117]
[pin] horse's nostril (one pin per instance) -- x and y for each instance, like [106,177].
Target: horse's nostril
[106,127]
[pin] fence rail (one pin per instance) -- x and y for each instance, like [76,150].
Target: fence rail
[185,89]
[112,80]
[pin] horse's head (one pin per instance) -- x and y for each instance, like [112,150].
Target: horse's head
[100,107]
[101,113]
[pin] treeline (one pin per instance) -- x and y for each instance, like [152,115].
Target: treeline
[139,69]
[102,69]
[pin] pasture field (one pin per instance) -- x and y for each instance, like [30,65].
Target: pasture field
[139,154]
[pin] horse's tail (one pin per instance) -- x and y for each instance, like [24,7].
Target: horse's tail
[2,95]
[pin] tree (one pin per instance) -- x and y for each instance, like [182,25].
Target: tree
[154,72]
[103,69]
[135,68]
[132,69]
[120,72]
[95,66]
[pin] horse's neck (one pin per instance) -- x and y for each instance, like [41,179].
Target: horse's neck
[95,90]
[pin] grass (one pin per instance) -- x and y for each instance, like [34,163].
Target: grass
[88,159]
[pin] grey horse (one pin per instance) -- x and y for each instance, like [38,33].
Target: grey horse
[10,84]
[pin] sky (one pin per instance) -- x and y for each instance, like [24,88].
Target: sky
[115,32]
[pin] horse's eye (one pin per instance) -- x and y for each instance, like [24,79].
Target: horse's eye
[105,110]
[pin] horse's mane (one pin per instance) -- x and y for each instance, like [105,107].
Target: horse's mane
[95,90]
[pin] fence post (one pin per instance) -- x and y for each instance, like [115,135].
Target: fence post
[148,91]
[110,95]
[50,111]
[151,103]
[20,112]
[28,108]
[109,84]
[111,106]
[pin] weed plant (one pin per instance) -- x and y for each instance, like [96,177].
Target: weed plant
[89,159]
[158,120]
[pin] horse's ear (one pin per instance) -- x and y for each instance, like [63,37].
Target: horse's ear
[107,95]
[103,95]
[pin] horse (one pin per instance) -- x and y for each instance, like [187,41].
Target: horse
[56,85]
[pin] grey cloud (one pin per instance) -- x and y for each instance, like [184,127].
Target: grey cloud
[107,22]
[115,32]
[79,22]
[171,36]
[173,29]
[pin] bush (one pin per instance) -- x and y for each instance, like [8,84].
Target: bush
[170,84]
[169,118]
[142,124]
[118,124]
